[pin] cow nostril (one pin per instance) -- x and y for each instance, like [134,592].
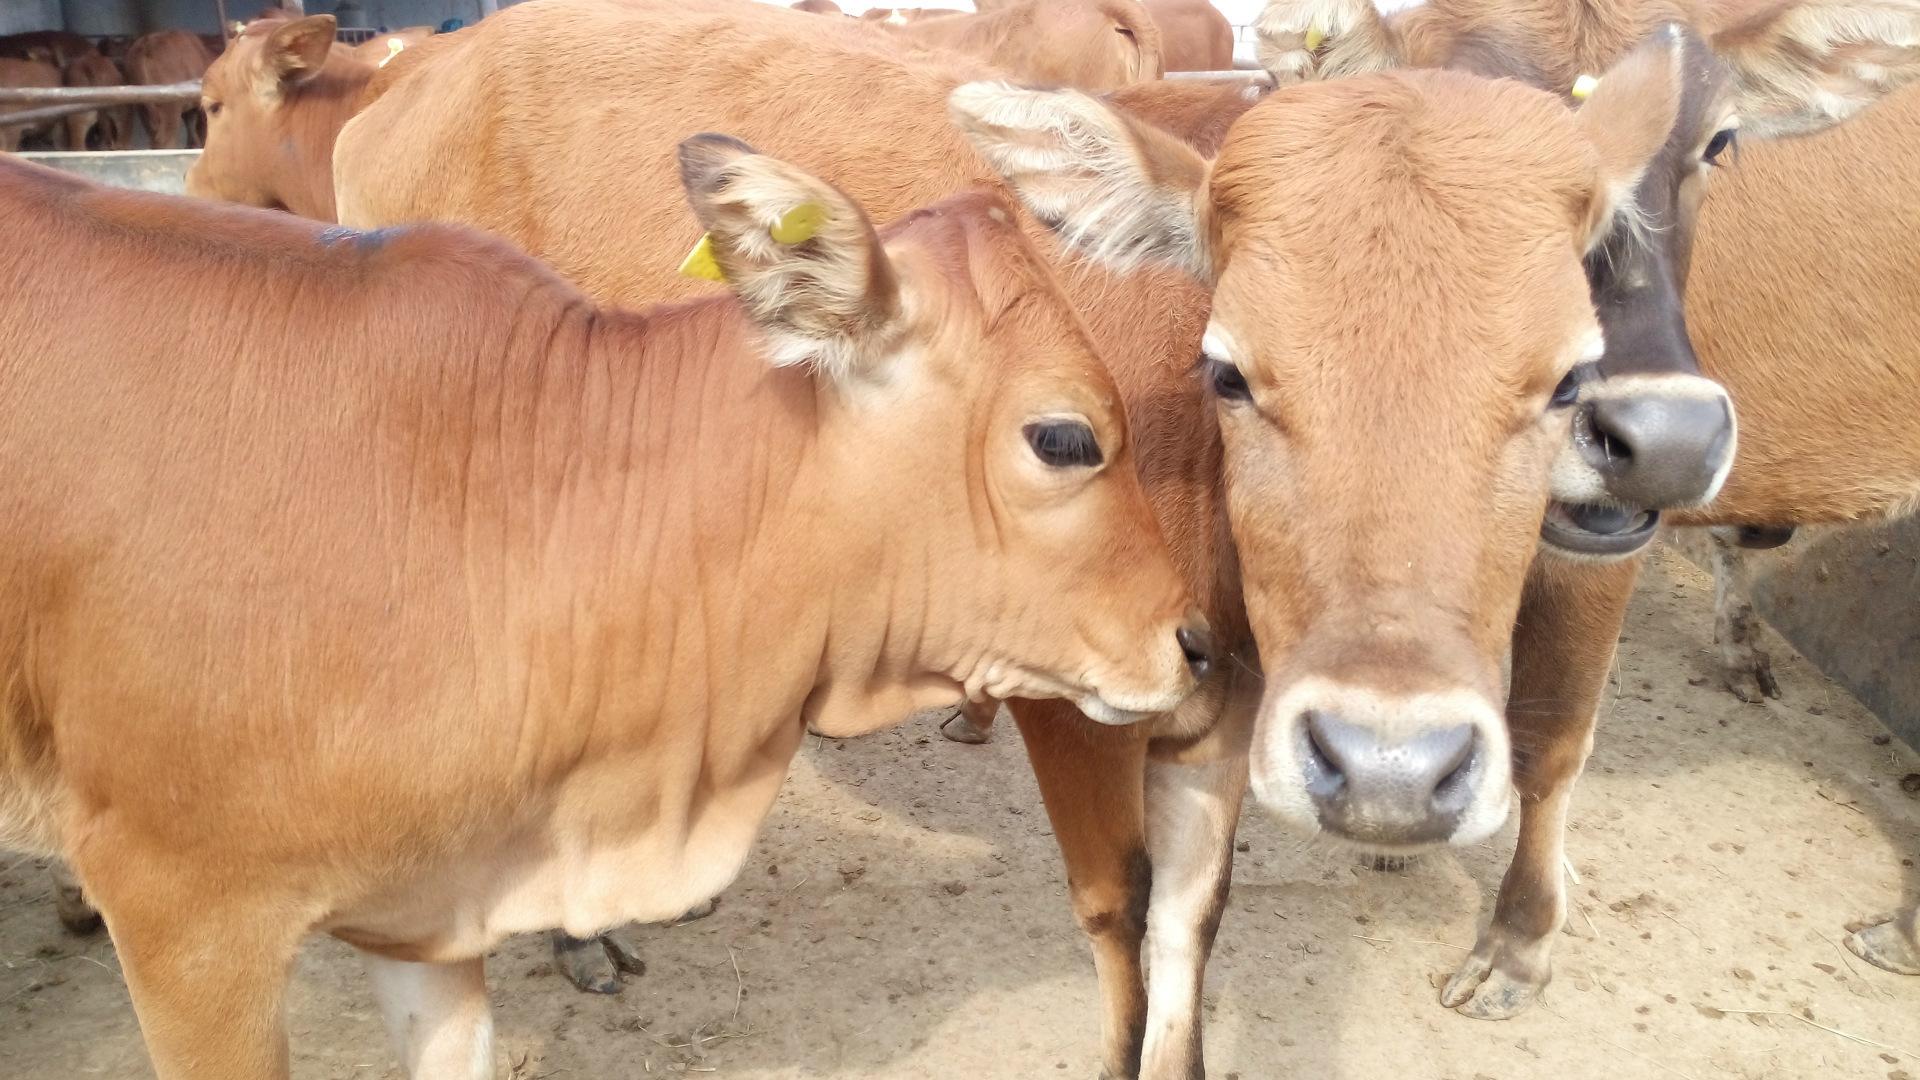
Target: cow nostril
[1325,776]
[1456,771]
[1196,644]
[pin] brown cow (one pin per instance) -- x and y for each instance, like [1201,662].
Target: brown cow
[27,73]
[515,614]
[113,125]
[1089,44]
[274,102]
[1194,36]
[1825,211]
[1518,166]
[168,56]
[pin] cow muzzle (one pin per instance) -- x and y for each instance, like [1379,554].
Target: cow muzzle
[1389,772]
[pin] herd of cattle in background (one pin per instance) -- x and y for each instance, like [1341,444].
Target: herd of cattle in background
[1304,442]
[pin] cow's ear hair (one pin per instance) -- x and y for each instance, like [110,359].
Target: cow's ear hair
[1302,40]
[1801,66]
[1121,191]
[801,256]
[295,52]
[1628,115]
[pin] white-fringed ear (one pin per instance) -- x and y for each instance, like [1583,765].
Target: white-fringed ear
[1628,115]
[293,53]
[1303,40]
[1800,66]
[1120,191]
[802,257]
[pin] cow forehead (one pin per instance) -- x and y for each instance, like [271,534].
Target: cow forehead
[1402,209]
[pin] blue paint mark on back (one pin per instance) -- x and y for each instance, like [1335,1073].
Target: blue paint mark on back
[367,240]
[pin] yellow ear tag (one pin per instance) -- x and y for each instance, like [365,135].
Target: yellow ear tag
[1316,37]
[394,48]
[700,263]
[798,225]
[1583,87]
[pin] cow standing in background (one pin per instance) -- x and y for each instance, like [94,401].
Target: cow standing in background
[158,59]
[15,72]
[114,123]
[56,47]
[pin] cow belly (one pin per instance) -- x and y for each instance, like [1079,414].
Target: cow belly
[577,880]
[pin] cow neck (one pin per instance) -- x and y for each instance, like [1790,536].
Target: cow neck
[314,120]
[745,533]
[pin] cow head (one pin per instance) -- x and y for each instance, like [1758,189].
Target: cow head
[274,102]
[1400,316]
[1014,549]
[1649,430]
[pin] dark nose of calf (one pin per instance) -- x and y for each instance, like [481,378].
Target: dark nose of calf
[1368,788]
[1196,644]
[1659,450]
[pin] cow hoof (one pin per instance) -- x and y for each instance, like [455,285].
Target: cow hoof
[960,728]
[1751,680]
[1885,946]
[587,963]
[1486,989]
[698,911]
[626,958]
[78,916]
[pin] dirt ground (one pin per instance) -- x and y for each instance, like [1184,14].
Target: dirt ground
[905,916]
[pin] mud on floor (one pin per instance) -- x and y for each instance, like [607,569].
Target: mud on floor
[905,917]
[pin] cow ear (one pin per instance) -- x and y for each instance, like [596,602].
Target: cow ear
[1122,191]
[802,257]
[1800,66]
[1302,40]
[1628,115]
[295,52]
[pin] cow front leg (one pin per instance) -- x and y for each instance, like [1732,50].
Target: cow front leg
[1745,668]
[1192,811]
[70,902]
[1891,942]
[1092,779]
[436,1015]
[1564,638]
[206,968]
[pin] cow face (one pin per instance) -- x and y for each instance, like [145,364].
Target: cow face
[1649,431]
[1400,311]
[272,111]
[976,446]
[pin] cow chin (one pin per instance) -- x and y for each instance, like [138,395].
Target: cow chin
[1100,711]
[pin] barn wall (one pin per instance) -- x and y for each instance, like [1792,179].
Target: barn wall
[19,16]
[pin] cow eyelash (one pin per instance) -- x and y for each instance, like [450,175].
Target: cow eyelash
[1063,444]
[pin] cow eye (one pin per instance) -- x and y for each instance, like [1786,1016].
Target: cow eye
[1567,392]
[1063,444]
[1723,140]
[1227,381]
[212,108]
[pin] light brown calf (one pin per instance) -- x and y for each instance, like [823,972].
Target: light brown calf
[113,126]
[1801,302]
[1194,36]
[423,603]
[1534,187]
[274,102]
[26,73]
[1089,44]
[168,56]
